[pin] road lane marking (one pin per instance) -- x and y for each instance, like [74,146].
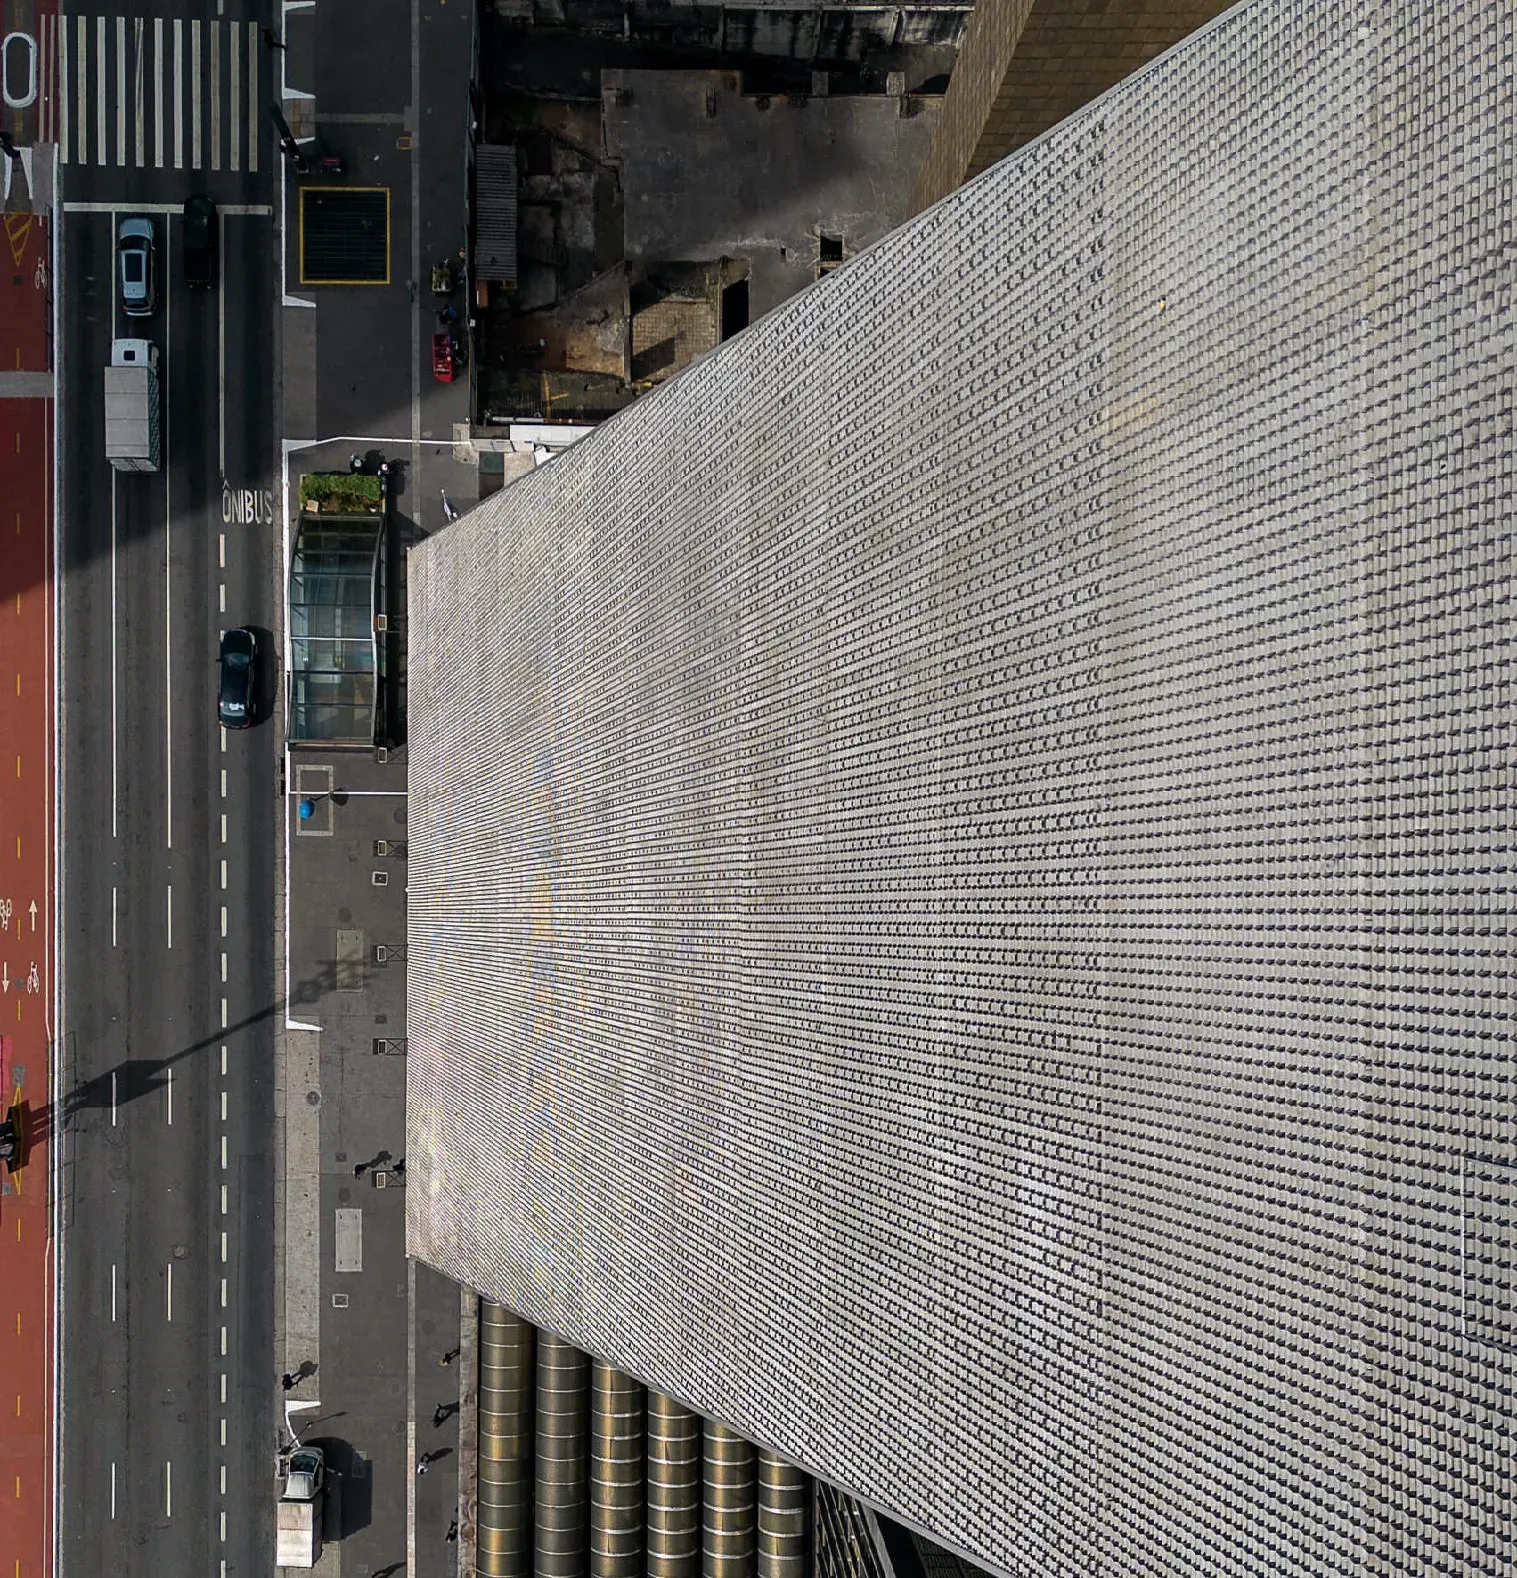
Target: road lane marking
[223,1212]
[113,1490]
[223,1396]
[113,1098]
[170,1088]
[113,917]
[63,60]
[113,1290]
[223,1153]
[223,1119]
[138,117]
[221,378]
[195,137]
[223,929]
[223,1013]
[158,93]
[234,108]
[223,1231]
[223,1342]
[178,93]
[168,590]
[221,595]
[223,876]
[100,94]
[215,95]
[223,1293]
[223,1061]
[170,1285]
[168,1490]
[221,536]
[253,122]
[223,739]
[120,92]
[171,914]
[223,969]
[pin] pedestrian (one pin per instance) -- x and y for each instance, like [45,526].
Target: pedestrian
[360,1169]
[399,1169]
[452,1535]
[423,1463]
[270,40]
[287,1381]
[449,1357]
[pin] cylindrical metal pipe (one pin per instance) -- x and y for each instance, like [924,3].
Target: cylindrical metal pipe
[616,1474]
[729,1527]
[563,1460]
[784,1518]
[506,1383]
[674,1489]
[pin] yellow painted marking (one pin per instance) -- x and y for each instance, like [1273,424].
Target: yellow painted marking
[18,766]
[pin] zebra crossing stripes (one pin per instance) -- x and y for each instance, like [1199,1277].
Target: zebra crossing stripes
[158,92]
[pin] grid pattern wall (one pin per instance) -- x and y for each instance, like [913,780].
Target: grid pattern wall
[960,887]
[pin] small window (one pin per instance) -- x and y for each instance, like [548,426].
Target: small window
[829,253]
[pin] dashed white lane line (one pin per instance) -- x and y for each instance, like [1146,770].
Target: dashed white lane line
[171,914]
[169,1088]
[223,1204]
[221,597]
[223,1014]
[223,876]
[223,796]
[170,1288]
[113,1098]
[223,1248]
[223,1060]
[113,917]
[223,1153]
[221,550]
[223,933]
[223,969]
[113,1290]
[223,1342]
[223,825]
[168,1490]
[223,1293]
[113,1490]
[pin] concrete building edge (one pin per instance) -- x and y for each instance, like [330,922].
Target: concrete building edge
[1222,19]
[874,1508]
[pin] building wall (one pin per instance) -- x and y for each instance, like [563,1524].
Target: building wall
[960,851]
[1026,64]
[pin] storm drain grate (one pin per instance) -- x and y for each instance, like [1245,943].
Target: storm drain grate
[344,235]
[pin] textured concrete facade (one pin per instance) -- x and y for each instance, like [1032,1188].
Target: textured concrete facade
[960,875]
[1026,64]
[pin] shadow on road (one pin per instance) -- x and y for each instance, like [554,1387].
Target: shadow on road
[135,1078]
[350,1496]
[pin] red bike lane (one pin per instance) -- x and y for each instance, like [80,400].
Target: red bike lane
[27,682]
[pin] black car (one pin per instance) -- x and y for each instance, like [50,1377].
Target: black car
[237,700]
[200,243]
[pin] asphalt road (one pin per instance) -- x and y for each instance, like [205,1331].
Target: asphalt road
[167,888]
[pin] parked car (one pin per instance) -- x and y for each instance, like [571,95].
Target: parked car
[200,243]
[135,267]
[237,698]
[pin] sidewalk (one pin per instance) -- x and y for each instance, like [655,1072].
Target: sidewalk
[385,87]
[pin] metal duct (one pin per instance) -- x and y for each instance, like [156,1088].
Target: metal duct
[504,1530]
[563,1460]
[674,1489]
[784,1518]
[616,1474]
[729,1527]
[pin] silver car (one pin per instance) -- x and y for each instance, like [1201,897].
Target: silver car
[135,267]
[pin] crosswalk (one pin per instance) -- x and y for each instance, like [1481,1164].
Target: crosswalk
[178,93]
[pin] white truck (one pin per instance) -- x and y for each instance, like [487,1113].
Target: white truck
[305,1472]
[133,404]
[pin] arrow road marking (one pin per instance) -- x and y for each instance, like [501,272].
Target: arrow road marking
[33,913]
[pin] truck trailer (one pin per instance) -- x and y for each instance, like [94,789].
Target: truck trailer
[133,406]
[299,1511]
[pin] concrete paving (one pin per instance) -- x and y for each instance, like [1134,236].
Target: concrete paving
[385,86]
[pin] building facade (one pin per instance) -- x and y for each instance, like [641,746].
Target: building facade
[959,897]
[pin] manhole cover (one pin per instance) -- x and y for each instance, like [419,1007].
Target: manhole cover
[344,235]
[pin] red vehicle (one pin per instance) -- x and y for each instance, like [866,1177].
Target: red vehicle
[442,358]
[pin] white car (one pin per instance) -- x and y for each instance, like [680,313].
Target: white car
[136,267]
